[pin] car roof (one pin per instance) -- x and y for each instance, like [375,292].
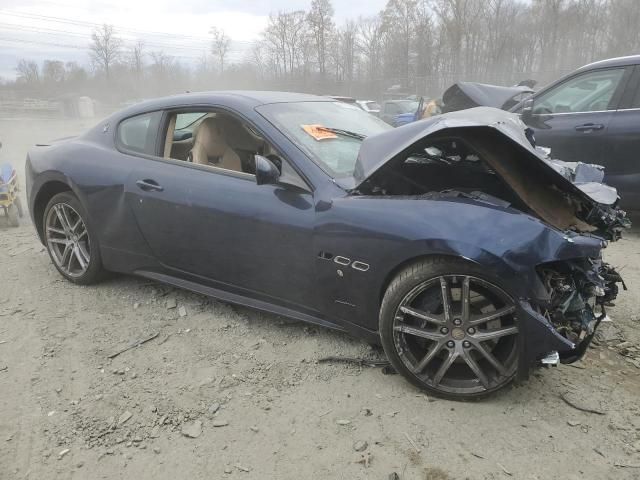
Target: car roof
[612,62]
[246,98]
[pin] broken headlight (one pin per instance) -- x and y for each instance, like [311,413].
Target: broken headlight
[577,293]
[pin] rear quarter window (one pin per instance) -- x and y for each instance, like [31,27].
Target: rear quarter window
[139,134]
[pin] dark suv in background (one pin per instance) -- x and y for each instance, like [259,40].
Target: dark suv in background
[593,115]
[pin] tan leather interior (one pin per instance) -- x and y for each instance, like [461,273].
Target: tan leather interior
[210,147]
[168,141]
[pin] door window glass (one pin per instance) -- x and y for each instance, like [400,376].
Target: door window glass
[138,134]
[221,140]
[636,101]
[589,92]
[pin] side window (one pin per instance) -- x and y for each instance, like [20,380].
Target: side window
[589,92]
[220,140]
[635,103]
[139,134]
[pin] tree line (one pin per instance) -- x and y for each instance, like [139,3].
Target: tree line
[411,46]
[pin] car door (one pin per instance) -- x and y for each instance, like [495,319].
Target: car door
[623,145]
[219,227]
[572,118]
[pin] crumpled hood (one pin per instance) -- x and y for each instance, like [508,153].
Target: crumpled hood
[502,140]
[463,95]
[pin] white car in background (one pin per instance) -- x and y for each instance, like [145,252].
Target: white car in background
[369,106]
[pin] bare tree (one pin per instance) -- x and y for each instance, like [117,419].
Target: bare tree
[220,46]
[398,20]
[105,48]
[53,71]
[28,71]
[320,19]
[370,44]
[136,58]
[160,63]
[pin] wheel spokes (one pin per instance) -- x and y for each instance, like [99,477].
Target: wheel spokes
[431,354]
[467,346]
[465,298]
[444,368]
[66,256]
[56,231]
[68,240]
[82,234]
[493,361]
[495,334]
[492,315]
[80,257]
[446,299]
[477,370]
[418,332]
[61,241]
[422,315]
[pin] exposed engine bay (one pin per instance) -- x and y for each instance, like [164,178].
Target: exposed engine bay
[441,166]
[578,293]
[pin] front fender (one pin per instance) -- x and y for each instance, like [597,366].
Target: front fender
[389,233]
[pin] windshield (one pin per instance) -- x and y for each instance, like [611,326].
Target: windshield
[334,152]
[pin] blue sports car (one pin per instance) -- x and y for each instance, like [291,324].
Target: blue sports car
[453,242]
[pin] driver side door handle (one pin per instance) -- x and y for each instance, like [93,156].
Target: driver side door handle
[588,127]
[149,185]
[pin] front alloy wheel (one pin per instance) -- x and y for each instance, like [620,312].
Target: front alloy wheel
[452,334]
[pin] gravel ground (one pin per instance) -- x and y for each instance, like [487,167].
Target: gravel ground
[227,392]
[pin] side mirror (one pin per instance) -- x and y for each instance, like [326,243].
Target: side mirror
[266,172]
[527,108]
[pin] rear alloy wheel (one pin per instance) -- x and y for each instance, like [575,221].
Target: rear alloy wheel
[69,240]
[452,334]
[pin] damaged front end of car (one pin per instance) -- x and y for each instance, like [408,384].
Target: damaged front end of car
[484,156]
[578,292]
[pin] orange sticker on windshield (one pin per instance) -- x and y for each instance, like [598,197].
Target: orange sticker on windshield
[318,132]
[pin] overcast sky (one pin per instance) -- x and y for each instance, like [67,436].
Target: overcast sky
[60,29]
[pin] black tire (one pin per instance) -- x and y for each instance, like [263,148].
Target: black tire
[93,271]
[478,359]
[12,216]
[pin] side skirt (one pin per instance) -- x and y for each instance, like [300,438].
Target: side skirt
[356,330]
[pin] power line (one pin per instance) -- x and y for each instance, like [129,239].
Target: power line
[49,18]
[75,47]
[53,32]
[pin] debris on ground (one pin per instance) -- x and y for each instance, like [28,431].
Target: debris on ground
[171,303]
[578,407]
[362,362]
[192,430]
[135,344]
[124,418]
[365,459]
[413,444]
[504,469]
[360,446]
